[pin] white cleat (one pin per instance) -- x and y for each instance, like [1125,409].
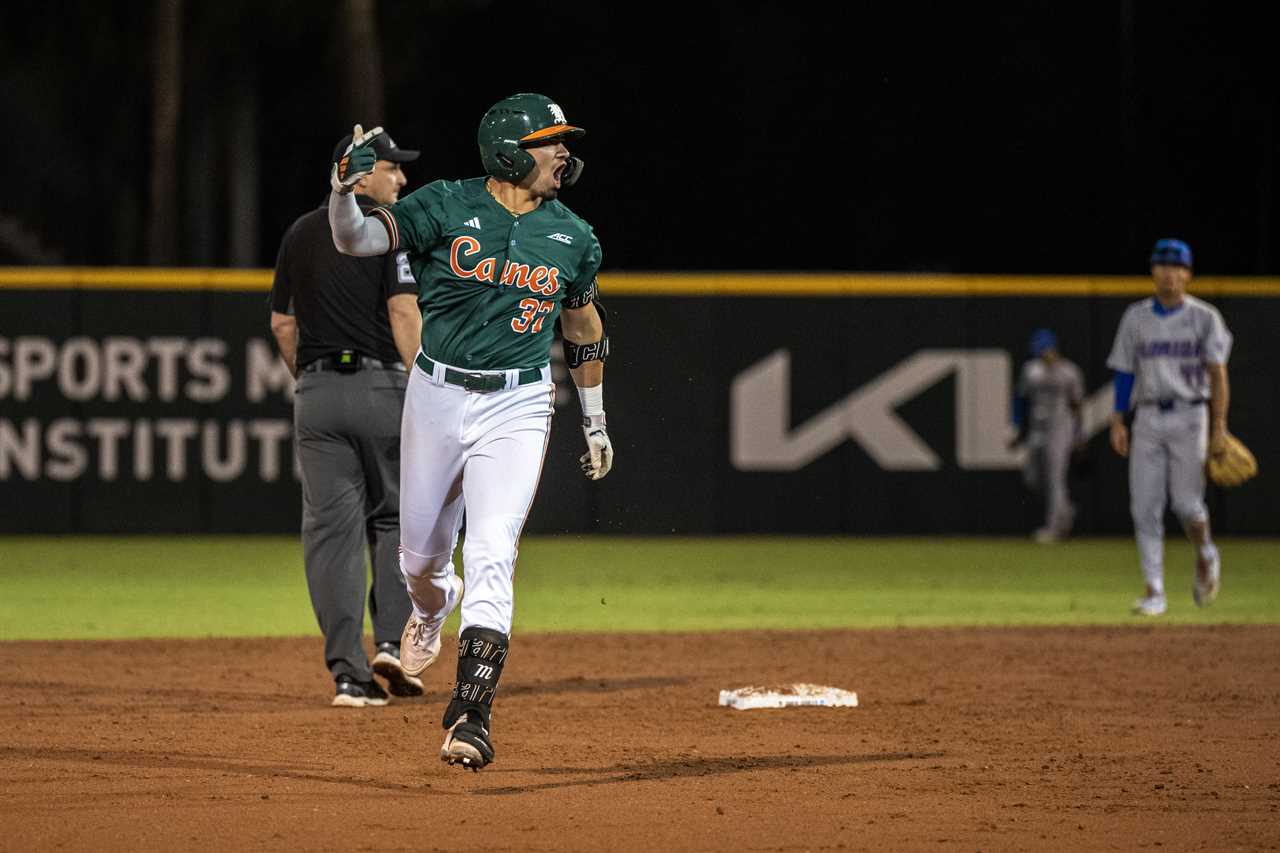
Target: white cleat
[1151,605]
[1208,580]
[420,642]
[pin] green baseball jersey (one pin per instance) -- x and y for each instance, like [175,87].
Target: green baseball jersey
[491,284]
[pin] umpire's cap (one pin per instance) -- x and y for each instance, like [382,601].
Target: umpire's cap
[383,145]
[1171,251]
[1041,340]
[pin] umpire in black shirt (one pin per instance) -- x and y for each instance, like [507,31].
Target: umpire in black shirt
[346,328]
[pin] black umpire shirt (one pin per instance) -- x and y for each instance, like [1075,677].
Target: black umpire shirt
[340,302]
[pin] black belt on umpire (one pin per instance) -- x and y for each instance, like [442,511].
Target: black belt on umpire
[1168,403]
[478,381]
[348,361]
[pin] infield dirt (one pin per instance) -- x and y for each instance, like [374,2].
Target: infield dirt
[1146,737]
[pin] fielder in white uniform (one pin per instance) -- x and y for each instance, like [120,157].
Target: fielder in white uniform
[1170,357]
[1046,411]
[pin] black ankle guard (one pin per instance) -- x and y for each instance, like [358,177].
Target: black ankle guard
[481,654]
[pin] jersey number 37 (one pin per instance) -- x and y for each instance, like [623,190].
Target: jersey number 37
[533,312]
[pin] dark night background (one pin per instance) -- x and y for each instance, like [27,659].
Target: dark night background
[1022,138]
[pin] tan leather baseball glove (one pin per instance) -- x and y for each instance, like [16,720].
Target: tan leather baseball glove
[1233,465]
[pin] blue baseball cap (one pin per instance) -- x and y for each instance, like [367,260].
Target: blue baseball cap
[1171,251]
[1041,340]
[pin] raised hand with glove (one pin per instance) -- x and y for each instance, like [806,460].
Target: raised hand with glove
[356,162]
[353,233]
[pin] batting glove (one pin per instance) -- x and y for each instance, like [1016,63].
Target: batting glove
[356,162]
[598,459]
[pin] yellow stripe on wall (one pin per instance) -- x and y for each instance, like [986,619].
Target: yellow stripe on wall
[132,278]
[670,284]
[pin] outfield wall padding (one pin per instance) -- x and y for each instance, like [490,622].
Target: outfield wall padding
[130,407]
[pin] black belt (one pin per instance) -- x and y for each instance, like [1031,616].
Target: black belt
[1168,404]
[479,381]
[348,362]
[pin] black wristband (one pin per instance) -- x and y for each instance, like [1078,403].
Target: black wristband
[576,355]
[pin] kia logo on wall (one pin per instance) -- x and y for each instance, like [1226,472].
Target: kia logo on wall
[762,437]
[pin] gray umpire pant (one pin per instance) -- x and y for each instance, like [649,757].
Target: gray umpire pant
[347,428]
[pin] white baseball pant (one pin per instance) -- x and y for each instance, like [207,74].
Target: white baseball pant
[1167,453]
[472,451]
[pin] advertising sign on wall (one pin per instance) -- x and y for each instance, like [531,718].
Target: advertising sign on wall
[839,404]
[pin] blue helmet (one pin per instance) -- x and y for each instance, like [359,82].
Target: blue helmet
[1041,340]
[1171,251]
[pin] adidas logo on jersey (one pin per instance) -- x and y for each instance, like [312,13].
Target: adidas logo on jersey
[563,238]
[474,222]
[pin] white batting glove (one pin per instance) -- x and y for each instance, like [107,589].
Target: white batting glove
[598,459]
[356,162]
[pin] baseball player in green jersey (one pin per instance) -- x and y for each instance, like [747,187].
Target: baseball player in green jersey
[498,260]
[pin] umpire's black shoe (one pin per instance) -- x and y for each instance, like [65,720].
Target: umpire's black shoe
[350,693]
[386,663]
[467,743]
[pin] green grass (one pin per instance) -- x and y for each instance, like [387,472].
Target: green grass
[115,587]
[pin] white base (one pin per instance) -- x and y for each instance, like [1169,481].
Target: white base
[788,696]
